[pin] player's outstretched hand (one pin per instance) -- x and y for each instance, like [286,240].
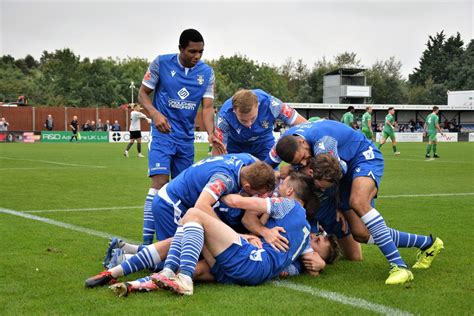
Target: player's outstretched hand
[275,239]
[218,147]
[254,240]
[161,122]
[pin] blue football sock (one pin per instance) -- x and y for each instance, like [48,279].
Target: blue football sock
[148,220]
[147,258]
[407,240]
[193,241]
[382,238]
[145,279]
[174,254]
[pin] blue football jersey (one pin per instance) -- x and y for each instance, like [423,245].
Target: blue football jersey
[237,136]
[326,136]
[290,215]
[178,93]
[217,175]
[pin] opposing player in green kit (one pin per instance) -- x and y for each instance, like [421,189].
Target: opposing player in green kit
[388,131]
[367,123]
[348,118]
[431,128]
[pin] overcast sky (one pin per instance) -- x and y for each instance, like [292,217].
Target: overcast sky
[265,31]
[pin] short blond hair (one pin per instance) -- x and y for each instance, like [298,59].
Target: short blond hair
[244,101]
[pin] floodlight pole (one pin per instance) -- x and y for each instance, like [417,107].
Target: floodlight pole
[132,86]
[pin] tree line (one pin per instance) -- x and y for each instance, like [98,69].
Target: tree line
[63,78]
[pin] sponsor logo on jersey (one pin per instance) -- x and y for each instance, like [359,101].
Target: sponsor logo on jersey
[147,76]
[256,255]
[183,105]
[183,93]
[217,187]
[265,124]
[251,139]
[200,79]
[287,111]
[173,73]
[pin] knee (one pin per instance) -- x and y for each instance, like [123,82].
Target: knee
[361,237]
[158,182]
[359,205]
[192,215]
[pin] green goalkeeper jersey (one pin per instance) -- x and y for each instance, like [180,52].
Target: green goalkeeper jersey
[348,119]
[431,121]
[387,128]
[365,120]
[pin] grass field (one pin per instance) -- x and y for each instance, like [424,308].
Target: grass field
[72,196]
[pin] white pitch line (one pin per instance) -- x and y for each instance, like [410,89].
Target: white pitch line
[429,160]
[424,195]
[343,299]
[113,208]
[55,162]
[36,168]
[84,209]
[64,225]
[333,296]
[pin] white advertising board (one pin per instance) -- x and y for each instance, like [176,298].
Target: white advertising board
[124,137]
[447,137]
[404,137]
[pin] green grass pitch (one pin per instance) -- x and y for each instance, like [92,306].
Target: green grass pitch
[43,266]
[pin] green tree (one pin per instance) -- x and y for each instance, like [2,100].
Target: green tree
[387,83]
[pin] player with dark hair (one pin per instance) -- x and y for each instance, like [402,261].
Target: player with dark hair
[361,166]
[430,129]
[326,173]
[348,117]
[180,83]
[388,131]
[245,121]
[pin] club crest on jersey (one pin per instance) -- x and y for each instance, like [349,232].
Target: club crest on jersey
[200,79]
[256,255]
[173,73]
[183,93]
[265,124]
